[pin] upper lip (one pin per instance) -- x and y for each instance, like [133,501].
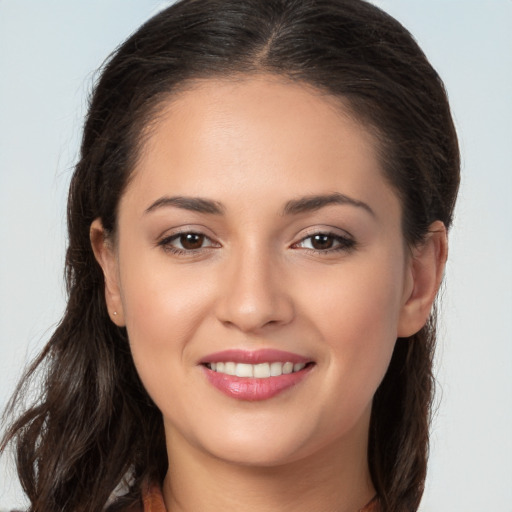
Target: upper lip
[254,357]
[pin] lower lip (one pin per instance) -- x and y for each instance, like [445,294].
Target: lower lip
[251,389]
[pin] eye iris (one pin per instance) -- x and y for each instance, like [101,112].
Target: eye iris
[191,241]
[322,241]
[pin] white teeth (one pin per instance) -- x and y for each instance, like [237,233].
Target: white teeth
[229,368]
[259,371]
[276,369]
[287,368]
[244,370]
[262,371]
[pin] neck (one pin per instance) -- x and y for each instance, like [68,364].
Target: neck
[333,479]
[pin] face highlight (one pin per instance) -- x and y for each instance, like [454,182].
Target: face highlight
[261,272]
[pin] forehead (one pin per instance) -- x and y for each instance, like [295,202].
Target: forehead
[255,135]
[255,106]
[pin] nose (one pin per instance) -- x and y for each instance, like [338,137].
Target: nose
[254,295]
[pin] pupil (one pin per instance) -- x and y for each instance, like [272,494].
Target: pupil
[192,241]
[322,242]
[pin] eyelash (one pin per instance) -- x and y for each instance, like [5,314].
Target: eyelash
[344,243]
[166,243]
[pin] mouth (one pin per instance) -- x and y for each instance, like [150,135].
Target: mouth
[255,375]
[257,371]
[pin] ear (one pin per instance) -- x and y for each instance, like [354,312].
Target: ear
[424,275]
[106,257]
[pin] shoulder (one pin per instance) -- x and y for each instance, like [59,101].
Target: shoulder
[151,500]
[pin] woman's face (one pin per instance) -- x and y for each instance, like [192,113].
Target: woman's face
[258,230]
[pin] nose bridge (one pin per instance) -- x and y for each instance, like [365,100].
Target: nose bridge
[253,294]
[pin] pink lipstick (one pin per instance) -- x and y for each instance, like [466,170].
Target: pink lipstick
[255,375]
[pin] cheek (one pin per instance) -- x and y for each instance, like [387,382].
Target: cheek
[162,309]
[357,315]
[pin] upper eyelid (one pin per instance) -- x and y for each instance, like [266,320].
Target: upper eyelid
[325,230]
[183,230]
[333,235]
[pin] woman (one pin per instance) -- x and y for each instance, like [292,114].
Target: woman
[257,233]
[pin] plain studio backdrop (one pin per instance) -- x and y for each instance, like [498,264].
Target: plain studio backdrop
[48,54]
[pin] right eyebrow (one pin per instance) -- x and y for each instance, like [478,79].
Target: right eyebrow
[195,204]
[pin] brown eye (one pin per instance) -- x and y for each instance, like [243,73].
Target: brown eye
[191,241]
[322,242]
[188,242]
[326,242]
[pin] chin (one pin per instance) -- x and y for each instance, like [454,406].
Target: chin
[250,441]
[269,441]
[262,454]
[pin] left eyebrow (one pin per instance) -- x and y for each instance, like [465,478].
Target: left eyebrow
[315,202]
[195,204]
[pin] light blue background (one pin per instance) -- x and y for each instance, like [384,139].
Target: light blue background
[48,53]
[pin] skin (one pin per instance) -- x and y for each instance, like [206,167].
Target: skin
[251,146]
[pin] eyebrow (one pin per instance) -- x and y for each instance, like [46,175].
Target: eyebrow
[195,204]
[292,207]
[315,202]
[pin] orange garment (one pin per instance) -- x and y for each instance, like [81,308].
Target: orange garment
[154,502]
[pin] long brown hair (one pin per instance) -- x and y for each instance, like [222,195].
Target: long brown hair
[94,422]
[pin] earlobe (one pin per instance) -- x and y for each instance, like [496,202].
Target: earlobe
[105,255]
[425,272]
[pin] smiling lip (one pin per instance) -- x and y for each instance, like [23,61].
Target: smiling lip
[251,388]
[254,357]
